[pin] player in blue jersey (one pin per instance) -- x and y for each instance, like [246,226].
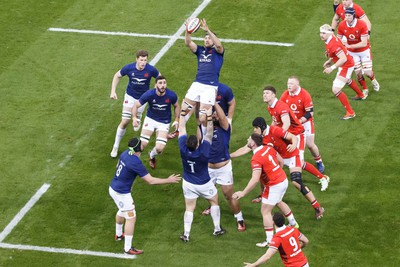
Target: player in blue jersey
[139,74]
[226,100]
[209,62]
[196,180]
[220,165]
[158,117]
[129,167]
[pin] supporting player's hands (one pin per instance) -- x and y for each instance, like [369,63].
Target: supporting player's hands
[291,147]
[174,178]
[135,122]
[175,124]
[237,195]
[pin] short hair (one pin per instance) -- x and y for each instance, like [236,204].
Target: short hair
[261,123]
[294,77]
[257,138]
[160,78]
[142,53]
[270,88]
[192,142]
[207,33]
[279,219]
[326,28]
[135,144]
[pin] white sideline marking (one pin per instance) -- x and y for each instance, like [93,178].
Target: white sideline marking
[23,211]
[158,36]
[68,251]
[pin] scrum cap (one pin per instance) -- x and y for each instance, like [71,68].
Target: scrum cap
[350,11]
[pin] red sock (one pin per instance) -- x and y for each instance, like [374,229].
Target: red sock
[317,158]
[315,204]
[372,76]
[362,82]
[355,88]
[311,169]
[345,101]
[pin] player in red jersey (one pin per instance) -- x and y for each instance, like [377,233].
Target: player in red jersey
[354,34]
[288,241]
[283,116]
[340,58]
[285,144]
[268,171]
[340,14]
[300,102]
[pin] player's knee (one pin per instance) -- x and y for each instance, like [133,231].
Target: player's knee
[128,215]
[126,115]
[145,139]
[296,178]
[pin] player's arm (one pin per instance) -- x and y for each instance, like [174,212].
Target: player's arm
[210,126]
[327,63]
[134,111]
[231,110]
[240,152]
[115,82]
[368,22]
[189,43]
[223,120]
[217,43]
[335,5]
[307,115]
[255,178]
[342,59]
[303,240]
[172,179]
[177,111]
[285,121]
[293,140]
[335,21]
[361,44]
[263,259]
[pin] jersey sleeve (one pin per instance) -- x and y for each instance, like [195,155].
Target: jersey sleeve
[255,163]
[125,70]
[275,242]
[308,103]
[145,97]
[140,169]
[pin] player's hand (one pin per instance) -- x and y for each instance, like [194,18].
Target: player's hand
[113,95]
[247,264]
[327,70]
[204,25]
[135,122]
[290,148]
[175,124]
[237,195]
[327,64]
[174,178]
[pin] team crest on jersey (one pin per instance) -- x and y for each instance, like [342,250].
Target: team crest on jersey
[146,75]
[219,97]
[167,100]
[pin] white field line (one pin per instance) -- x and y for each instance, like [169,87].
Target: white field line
[67,251]
[158,36]
[17,218]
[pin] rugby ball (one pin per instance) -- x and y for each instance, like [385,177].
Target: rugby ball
[192,25]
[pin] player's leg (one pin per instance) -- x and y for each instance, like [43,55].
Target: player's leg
[366,62]
[297,181]
[266,210]
[337,89]
[126,117]
[209,191]
[161,142]
[288,213]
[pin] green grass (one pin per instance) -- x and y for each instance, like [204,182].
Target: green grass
[58,126]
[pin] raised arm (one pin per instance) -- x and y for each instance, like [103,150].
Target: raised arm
[214,38]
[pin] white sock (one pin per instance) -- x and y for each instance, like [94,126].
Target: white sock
[187,116]
[187,222]
[203,130]
[291,219]
[239,216]
[128,242]
[216,217]
[269,235]
[118,136]
[118,229]
[153,153]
